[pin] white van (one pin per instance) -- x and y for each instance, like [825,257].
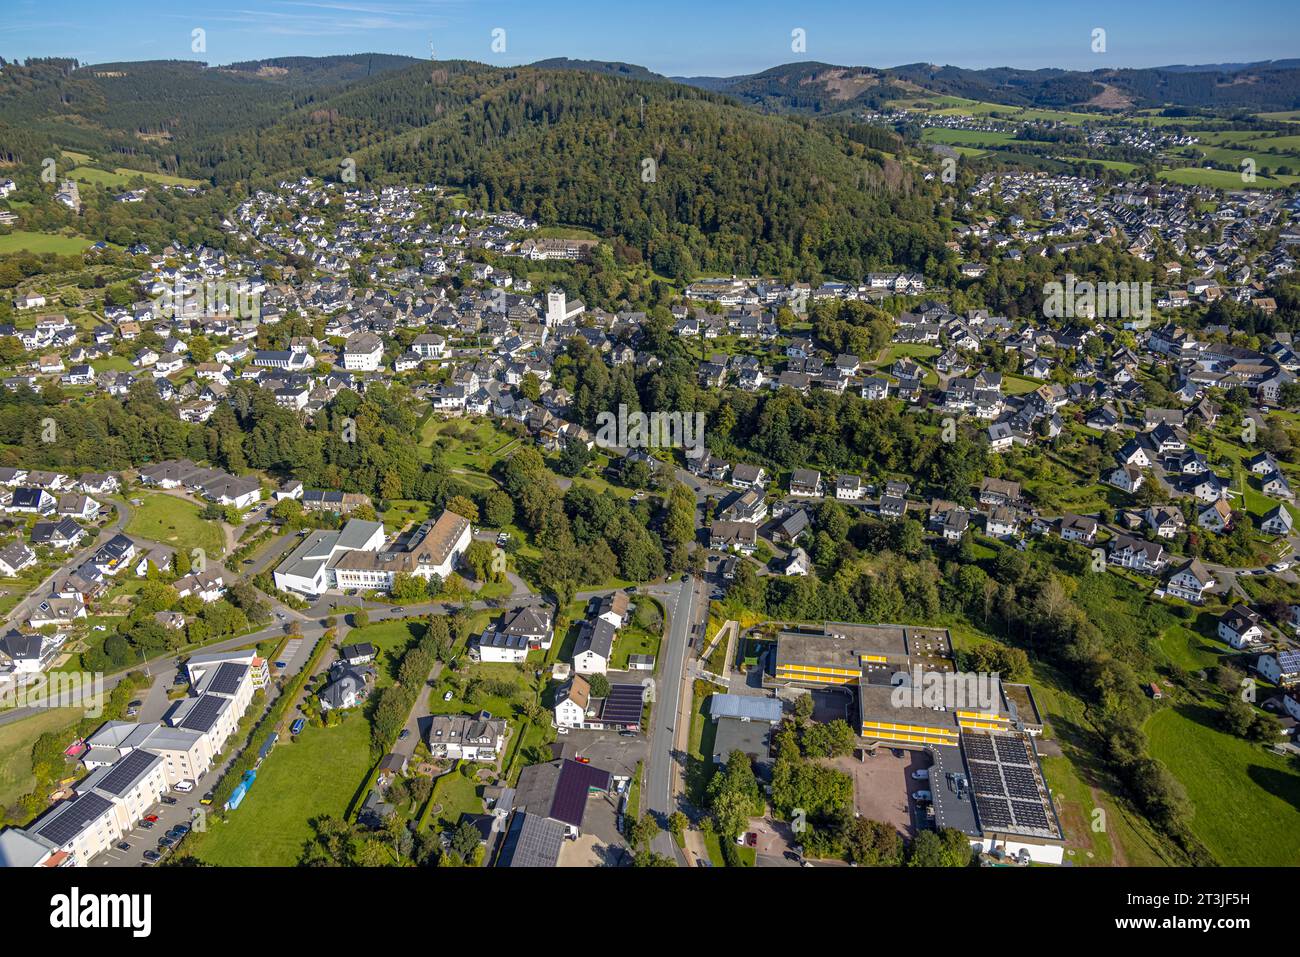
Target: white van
[184,787]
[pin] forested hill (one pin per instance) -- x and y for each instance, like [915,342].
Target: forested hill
[700,183]
[154,113]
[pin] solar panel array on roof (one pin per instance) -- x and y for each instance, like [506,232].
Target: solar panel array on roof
[986,779]
[1009,794]
[532,841]
[575,783]
[1020,783]
[74,817]
[124,771]
[1028,814]
[1012,751]
[994,812]
[203,715]
[623,706]
[978,747]
[227,678]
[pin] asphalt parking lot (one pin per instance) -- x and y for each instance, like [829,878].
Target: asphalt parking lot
[601,843]
[142,839]
[607,750]
[883,786]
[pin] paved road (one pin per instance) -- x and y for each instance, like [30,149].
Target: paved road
[166,664]
[664,750]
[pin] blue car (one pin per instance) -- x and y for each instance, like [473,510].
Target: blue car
[297,726]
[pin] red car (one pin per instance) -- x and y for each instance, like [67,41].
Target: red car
[582,760]
[151,818]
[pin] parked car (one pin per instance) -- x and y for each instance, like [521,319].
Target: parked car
[151,818]
[561,730]
[921,795]
[297,726]
[184,787]
[405,733]
[581,760]
[147,825]
[123,846]
[206,799]
[168,800]
[447,696]
[1279,566]
[922,774]
[166,842]
[152,856]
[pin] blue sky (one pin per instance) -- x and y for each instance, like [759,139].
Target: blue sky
[675,37]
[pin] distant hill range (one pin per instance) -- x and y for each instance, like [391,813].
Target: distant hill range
[825,87]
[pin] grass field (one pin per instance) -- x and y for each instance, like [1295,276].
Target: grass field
[20,240]
[16,740]
[318,774]
[453,795]
[564,232]
[122,177]
[470,447]
[1217,179]
[1117,165]
[935,134]
[391,638]
[960,106]
[1247,800]
[176,522]
[1189,650]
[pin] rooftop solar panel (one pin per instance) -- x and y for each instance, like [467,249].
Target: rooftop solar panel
[978,747]
[623,705]
[533,841]
[124,771]
[203,715]
[227,678]
[575,783]
[1020,782]
[1029,814]
[986,779]
[1009,795]
[1012,751]
[993,812]
[73,818]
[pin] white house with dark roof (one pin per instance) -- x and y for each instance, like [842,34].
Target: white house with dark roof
[595,647]
[1241,627]
[1191,582]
